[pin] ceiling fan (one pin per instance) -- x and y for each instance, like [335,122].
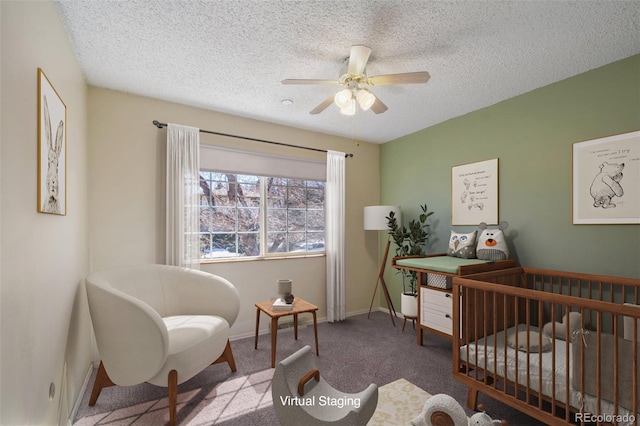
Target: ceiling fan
[354,80]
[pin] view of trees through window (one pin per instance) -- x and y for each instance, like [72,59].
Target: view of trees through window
[230,220]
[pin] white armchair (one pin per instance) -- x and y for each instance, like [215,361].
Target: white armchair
[159,324]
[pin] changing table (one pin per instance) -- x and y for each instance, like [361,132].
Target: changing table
[435,275]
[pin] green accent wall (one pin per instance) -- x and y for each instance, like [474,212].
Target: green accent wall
[532,136]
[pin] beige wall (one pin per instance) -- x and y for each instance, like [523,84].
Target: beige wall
[115,195]
[126,197]
[44,258]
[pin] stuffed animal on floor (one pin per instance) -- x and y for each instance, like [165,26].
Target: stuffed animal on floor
[492,244]
[483,419]
[441,410]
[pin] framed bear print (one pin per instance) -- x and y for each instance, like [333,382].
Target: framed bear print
[52,149]
[606,180]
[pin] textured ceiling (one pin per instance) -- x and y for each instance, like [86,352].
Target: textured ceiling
[230,56]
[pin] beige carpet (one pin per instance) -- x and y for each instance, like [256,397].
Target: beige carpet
[399,402]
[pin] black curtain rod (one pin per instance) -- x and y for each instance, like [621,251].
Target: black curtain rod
[160,125]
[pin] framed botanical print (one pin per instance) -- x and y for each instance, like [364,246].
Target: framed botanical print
[52,149]
[606,180]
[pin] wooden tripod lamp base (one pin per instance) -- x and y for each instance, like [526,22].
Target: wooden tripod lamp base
[376,218]
[385,290]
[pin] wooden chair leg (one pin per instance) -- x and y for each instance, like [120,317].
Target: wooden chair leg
[227,356]
[173,396]
[102,381]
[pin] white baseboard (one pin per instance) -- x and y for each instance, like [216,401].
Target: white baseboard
[387,311]
[83,389]
[266,331]
[320,320]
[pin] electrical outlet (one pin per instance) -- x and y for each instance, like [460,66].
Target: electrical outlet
[52,391]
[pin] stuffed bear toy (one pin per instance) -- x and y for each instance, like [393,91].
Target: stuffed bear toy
[482,419]
[491,243]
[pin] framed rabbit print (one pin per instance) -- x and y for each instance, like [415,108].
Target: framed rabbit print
[52,149]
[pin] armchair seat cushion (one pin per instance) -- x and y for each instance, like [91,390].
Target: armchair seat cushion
[194,342]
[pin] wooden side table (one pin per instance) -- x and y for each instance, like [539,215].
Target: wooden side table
[300,306]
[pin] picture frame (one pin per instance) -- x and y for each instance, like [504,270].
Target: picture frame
[52,149]
[474,193]
[606,180]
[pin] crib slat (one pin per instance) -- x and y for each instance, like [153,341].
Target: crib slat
[616,400]
[553,362]
[484,334]
[495,328]
[582,356]
[598,359]
[567,375]
[634,366]
[540,316]
[504,345]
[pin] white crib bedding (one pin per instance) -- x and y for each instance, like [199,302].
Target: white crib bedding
[524,362]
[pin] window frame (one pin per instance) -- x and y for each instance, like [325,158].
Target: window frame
[263,232]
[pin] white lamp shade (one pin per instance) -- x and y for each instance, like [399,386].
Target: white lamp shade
[343,98]
[365,99]
[349,110]
[375,217]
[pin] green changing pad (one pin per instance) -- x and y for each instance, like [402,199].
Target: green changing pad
[448,264]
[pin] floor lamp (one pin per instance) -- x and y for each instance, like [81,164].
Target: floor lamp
[375,219]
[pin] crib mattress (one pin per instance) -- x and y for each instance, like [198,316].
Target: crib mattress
[518,363]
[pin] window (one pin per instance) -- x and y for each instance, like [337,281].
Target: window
[246,215]
[295,215]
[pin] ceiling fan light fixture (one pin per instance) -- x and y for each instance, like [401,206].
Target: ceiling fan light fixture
[352,77]
[365,99]
[350,109]
[343,98]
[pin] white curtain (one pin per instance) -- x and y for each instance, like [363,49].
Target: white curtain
[334,238]
[183,183]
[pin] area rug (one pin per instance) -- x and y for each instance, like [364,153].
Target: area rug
[225,401]
[398,403]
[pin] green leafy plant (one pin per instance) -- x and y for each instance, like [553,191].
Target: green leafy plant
[410,242]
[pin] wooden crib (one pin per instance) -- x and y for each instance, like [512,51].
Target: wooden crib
[510,343]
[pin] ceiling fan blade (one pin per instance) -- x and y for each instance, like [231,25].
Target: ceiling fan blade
[358,59]
[308,81]
[322,106]
[404,78]
[378,106]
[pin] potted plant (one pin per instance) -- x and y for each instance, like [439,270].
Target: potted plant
[409,242]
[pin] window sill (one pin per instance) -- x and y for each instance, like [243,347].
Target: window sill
[261,258]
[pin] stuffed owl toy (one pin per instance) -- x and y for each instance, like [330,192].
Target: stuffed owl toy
[492,244]
[462,245]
